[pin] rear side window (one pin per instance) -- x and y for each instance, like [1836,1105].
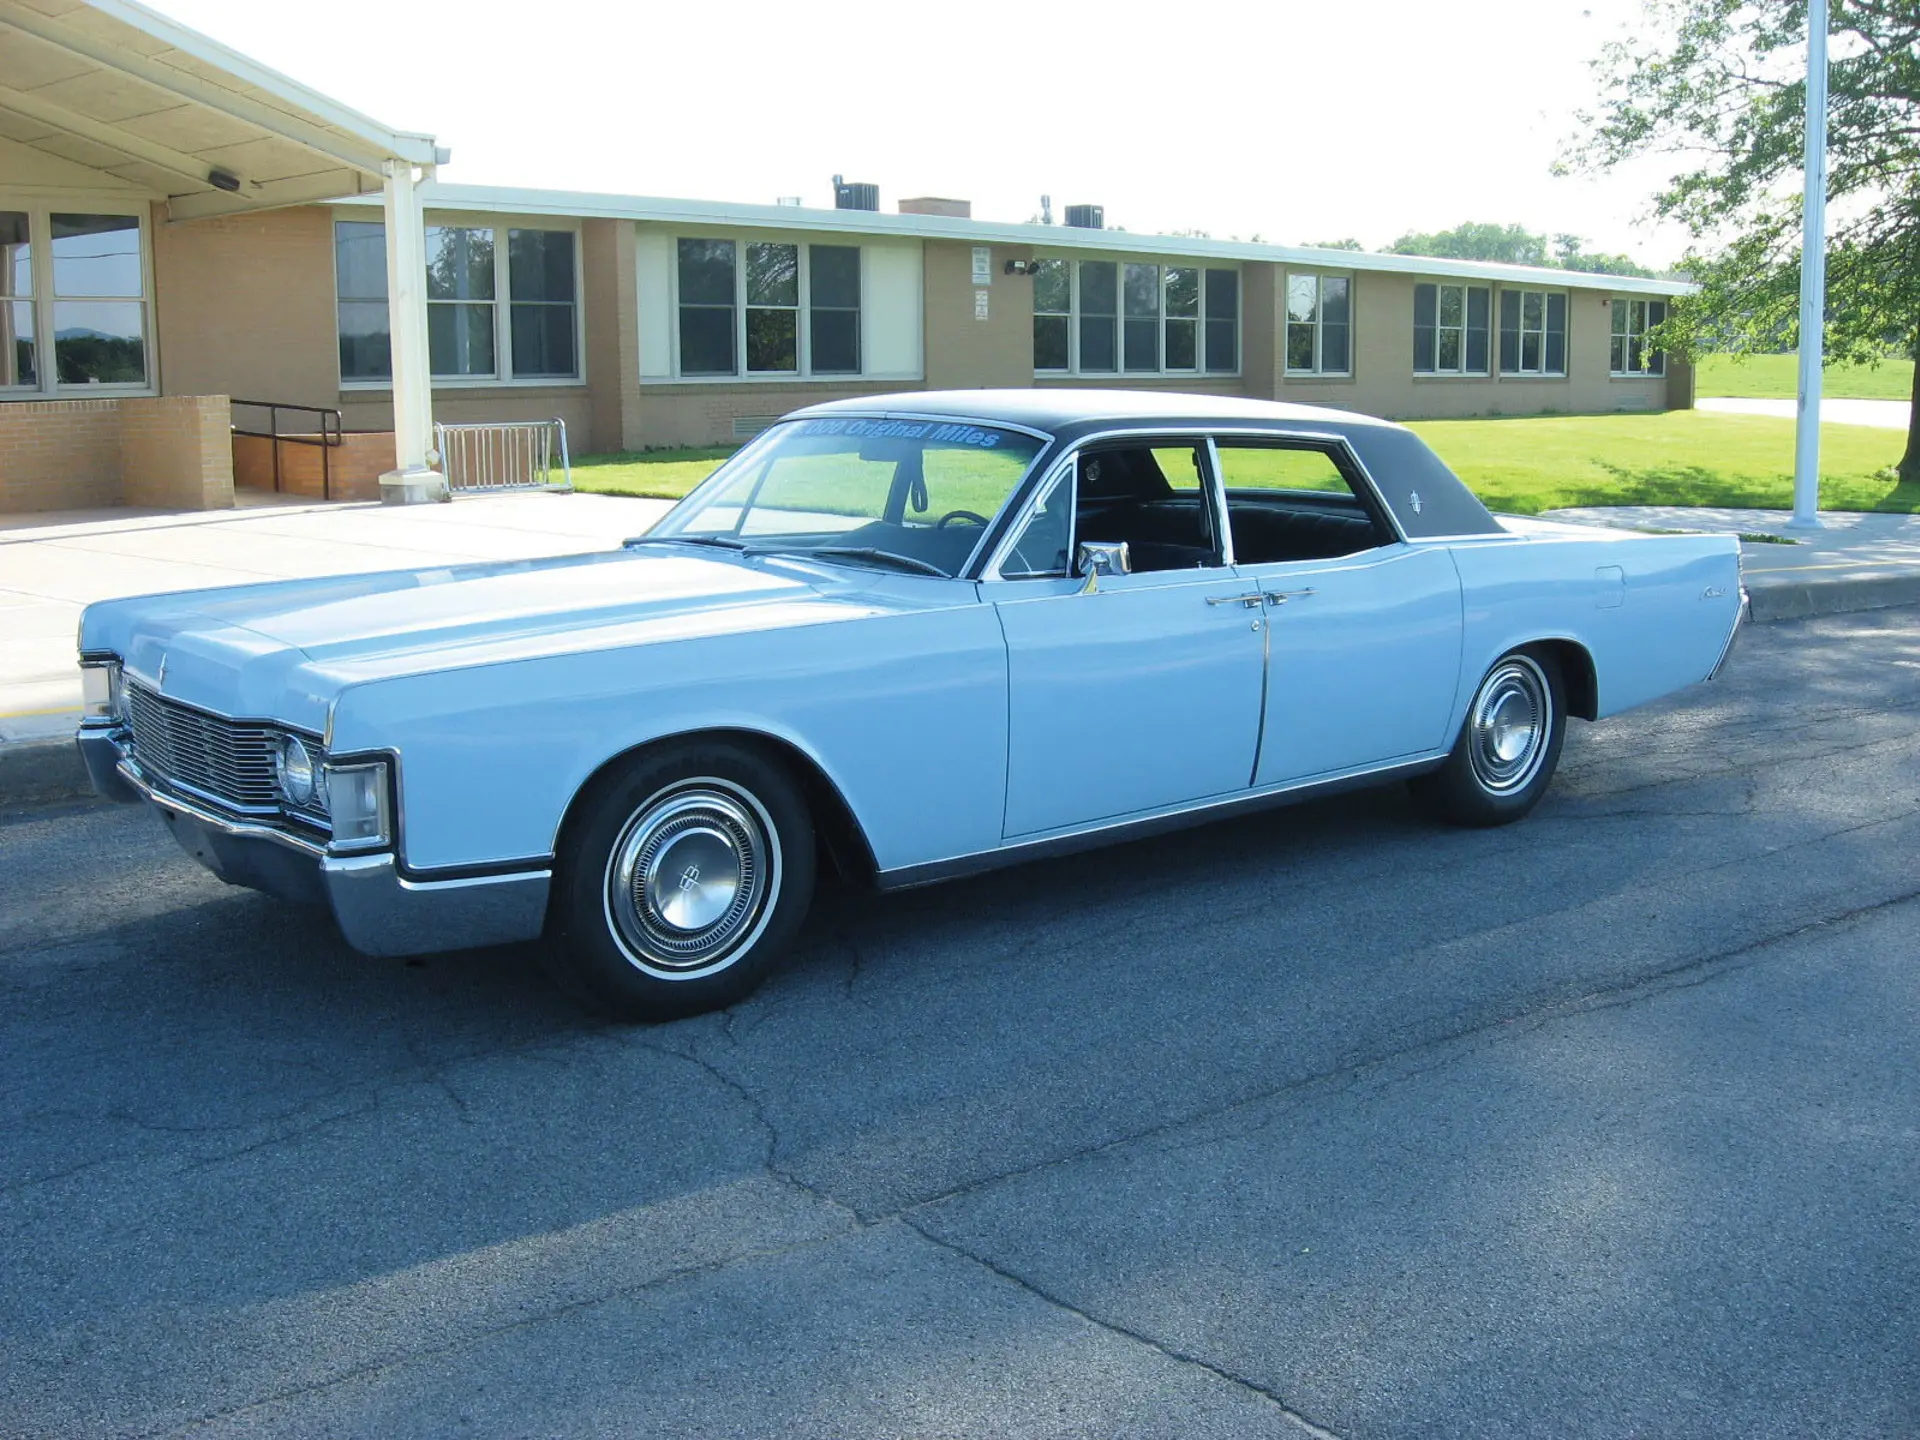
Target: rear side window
[1294,502]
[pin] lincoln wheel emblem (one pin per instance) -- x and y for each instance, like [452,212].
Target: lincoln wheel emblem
[689,877]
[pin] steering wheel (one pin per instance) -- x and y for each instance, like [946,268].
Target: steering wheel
[967,515]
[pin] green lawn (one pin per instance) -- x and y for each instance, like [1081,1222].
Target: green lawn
[1682,457]
[1777,377]
[1685,457]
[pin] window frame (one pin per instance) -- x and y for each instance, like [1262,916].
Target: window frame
[1319,370]
[1075,315]
[1643,304]
[741,375]
[1432,370]
[502,303]
[39,209]
[1547,295]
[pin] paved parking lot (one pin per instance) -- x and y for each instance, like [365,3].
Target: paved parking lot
[1324,1122]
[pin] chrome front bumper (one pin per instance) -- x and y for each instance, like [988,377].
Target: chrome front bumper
[380,911]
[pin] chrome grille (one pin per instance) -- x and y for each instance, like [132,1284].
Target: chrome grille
[225,760]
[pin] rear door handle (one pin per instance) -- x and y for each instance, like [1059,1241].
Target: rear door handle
[1251,602]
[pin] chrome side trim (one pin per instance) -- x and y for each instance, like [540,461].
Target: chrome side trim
[1741,615]
[381,912]
[1111,832]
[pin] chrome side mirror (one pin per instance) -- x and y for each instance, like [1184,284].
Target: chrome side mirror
[1095,558]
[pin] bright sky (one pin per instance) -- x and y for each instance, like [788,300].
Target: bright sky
[1297,120]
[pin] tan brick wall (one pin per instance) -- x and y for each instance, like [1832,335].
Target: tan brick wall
[964,353]
[1383,382]
[611,322]
[176,452]
[59,454]
[352,468]
[704,414]
[244,306]
[170,453]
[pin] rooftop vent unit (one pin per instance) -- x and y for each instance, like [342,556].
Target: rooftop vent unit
[791,201]
[1087,217]
[850,195]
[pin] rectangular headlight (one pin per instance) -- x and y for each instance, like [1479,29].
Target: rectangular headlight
[357,802]
[100,690]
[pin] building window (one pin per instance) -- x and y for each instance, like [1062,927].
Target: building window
[1319,325]
[773,309]
[785,309]
[360,279]
[1533,332]
[834,311]
[501,303]
[19,357]
[1102,317]
[1450,329]
[540,280]
[1632,319]
[73,301]
[460,319]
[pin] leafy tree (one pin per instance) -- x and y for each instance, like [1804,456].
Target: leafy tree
[1570,253]
[1509,244]
[1347,244]
[1721,86]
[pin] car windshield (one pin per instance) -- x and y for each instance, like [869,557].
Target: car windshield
[910,495]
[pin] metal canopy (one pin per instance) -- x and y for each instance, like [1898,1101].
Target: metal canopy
[109,94]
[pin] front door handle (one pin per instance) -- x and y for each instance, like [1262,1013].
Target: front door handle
[1251,602]
[1280,597]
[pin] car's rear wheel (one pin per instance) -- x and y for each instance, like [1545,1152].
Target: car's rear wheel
[1508,747]
[682,880]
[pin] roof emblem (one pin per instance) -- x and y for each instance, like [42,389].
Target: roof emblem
[1413,499]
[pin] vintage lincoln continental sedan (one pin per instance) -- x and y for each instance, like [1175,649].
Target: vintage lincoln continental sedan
[909,636]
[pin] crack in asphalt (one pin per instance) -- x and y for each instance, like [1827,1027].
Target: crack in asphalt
[1124,1332]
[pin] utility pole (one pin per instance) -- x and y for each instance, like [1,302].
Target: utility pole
[1813,279]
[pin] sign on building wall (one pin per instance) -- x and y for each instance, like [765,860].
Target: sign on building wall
[980,304]
[983,265]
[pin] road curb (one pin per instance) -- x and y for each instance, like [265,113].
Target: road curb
[1803,599]
[35,772]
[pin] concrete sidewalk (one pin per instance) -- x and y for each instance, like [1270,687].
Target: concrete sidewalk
[1852,562]
[1878,414]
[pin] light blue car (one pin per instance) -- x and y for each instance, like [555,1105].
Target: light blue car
[909,636]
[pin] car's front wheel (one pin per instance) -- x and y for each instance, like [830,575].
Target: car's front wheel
[682,880]
[1508,747]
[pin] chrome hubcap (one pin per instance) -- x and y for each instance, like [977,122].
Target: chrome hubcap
[689,880]
[1511,719]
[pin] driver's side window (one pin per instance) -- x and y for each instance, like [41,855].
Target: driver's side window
[1042,550]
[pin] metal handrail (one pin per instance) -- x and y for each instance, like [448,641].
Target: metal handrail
[327,439]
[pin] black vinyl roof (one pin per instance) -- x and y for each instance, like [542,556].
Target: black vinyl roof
[1425,496]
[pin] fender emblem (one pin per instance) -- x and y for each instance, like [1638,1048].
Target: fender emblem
[1712,592]
[1413,499]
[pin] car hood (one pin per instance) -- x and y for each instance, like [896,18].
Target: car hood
[283,651]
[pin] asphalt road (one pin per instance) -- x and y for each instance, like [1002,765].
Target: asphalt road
[1326,1121]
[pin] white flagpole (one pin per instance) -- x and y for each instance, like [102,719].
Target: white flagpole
[1813,278]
